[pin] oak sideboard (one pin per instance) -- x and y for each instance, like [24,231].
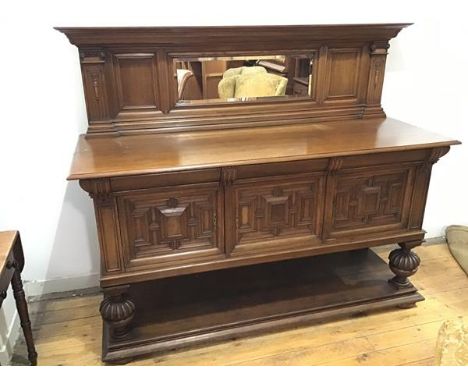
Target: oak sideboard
[224,216]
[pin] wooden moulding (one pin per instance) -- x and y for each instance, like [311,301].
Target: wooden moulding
[205,308]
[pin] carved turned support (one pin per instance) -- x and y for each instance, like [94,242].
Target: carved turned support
[404,263]
[20,300]
[118,311]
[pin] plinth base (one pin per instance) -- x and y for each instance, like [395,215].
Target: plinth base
[203,308]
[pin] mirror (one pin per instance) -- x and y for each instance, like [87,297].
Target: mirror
[202,80]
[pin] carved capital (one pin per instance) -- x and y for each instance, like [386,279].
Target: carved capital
[433,157]
[228,176]
[379,47]
[98,189]
[437,153]
[92,56]
[334,165]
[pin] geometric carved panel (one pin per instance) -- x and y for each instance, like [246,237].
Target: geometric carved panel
[276,210]
[158,224]
[369,201]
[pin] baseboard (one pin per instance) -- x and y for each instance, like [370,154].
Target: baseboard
[39,289]
[9,340]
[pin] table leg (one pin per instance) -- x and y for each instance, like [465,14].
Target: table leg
[21,305]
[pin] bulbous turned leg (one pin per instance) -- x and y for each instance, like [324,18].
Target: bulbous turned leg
[118,311]
[404,263]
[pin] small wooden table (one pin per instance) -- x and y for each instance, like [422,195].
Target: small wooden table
[11,266]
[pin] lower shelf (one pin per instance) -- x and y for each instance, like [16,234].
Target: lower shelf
[208,307]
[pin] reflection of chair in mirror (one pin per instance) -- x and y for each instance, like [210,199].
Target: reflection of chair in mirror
[187,86]
[251,82]
[243,70]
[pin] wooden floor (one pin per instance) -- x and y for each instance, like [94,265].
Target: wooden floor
[68,330]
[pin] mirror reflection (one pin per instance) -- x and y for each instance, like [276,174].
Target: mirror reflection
[242,78]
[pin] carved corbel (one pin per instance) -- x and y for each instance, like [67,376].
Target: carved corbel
[99,190]
[92,56]
[334,164]
[379,48]
[228,176]
[433,157]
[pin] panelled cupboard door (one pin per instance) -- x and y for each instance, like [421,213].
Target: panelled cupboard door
[362,202]
[274,211]
[171,226]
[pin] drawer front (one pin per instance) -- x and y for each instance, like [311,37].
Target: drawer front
[265,210]
[173,226]
[368,200]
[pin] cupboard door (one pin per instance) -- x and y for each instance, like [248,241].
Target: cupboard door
[363,201]
[171,227]
[264,211]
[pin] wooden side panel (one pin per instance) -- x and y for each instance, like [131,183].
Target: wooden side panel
[136,81]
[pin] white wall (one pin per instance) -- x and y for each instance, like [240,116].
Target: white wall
[43,108]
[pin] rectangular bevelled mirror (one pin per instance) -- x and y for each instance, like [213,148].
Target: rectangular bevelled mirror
[242,78]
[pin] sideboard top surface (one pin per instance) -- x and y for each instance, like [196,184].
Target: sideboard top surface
[107,156]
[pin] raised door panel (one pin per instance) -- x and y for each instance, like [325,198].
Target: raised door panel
[366,201]
[171,227]
[136,82]
[265,211]
[343,73]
